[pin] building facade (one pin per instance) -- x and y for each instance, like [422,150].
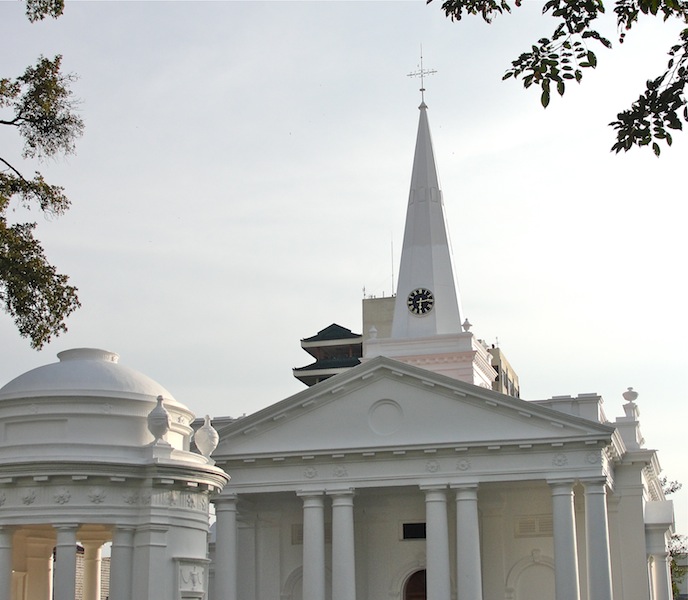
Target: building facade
[408,476]
[402,473]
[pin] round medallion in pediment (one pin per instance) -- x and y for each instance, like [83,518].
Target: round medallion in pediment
[385,417]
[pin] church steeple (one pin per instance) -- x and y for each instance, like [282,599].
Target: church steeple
[427,301]
[426,324]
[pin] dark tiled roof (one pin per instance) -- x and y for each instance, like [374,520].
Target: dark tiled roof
[333,332]
[332,363]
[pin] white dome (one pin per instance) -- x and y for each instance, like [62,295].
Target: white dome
[84,372]
[85,405]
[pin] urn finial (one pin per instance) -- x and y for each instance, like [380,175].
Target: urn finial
[206,438]
[158,420]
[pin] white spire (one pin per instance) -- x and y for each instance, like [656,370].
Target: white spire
[427,302]
[426,327]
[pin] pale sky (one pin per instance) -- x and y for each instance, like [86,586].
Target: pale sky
[244,175]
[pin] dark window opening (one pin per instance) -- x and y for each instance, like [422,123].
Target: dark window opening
[414,531]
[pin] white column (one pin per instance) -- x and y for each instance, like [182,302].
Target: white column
[437,544]
[313,546]
[565,551]
[122,563]
[92,563]
[343,554]
[5,562]
[658,561]
[39,567]
[597,537]
[65,562]
[661,578]
[226,547]
[468,568]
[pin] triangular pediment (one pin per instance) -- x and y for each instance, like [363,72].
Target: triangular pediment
[385,404]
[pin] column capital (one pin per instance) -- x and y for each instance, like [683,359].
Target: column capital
[559,486]
[220,498]
[344,493]
[591,483]
[439,487]
[340,499]
[226,502]
[310,493]
[92,543]
[466,492]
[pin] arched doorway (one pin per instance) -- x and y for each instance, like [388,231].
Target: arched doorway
[415,588]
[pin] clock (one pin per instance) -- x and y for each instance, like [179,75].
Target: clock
[420,301]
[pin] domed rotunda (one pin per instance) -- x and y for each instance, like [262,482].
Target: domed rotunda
[93,452]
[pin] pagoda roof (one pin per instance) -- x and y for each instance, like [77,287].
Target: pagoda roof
[331,363]
[332,332]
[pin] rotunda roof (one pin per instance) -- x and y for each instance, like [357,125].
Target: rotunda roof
[84,372]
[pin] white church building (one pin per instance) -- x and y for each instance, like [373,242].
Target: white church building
[404,477]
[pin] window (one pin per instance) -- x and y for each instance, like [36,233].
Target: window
[413,531]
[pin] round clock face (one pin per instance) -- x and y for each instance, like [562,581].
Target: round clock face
[420,301]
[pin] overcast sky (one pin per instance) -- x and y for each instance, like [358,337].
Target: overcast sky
[244,175]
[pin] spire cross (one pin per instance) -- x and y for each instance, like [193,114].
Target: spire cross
[422,73]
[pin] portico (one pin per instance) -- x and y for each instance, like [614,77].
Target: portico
[497,518]
[451,552]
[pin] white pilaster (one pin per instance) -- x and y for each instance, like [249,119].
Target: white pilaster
[343,556]
[121,563]
[437,544]
[226,547]
[597,537]
[65,562]
[468,567]
[313,546]
[92,563]
[565,550]
[5,562]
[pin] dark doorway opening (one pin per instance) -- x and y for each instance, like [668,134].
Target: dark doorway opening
[415,588]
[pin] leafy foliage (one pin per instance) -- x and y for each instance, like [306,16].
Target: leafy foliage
[37,10]
[669,486]
[554,61]
[678,548]
[678,544]
[39,106]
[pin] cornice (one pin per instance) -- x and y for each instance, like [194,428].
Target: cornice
[380,367]
[42,472]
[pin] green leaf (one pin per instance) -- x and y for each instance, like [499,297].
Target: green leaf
[544,99]
[655,147]
[560,87]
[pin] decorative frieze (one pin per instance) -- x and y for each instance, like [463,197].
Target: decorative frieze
[62,495]
[432,466]
[560,460]
[97,495]
[463,465]
[28,496]
[340,471]
[101,496]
